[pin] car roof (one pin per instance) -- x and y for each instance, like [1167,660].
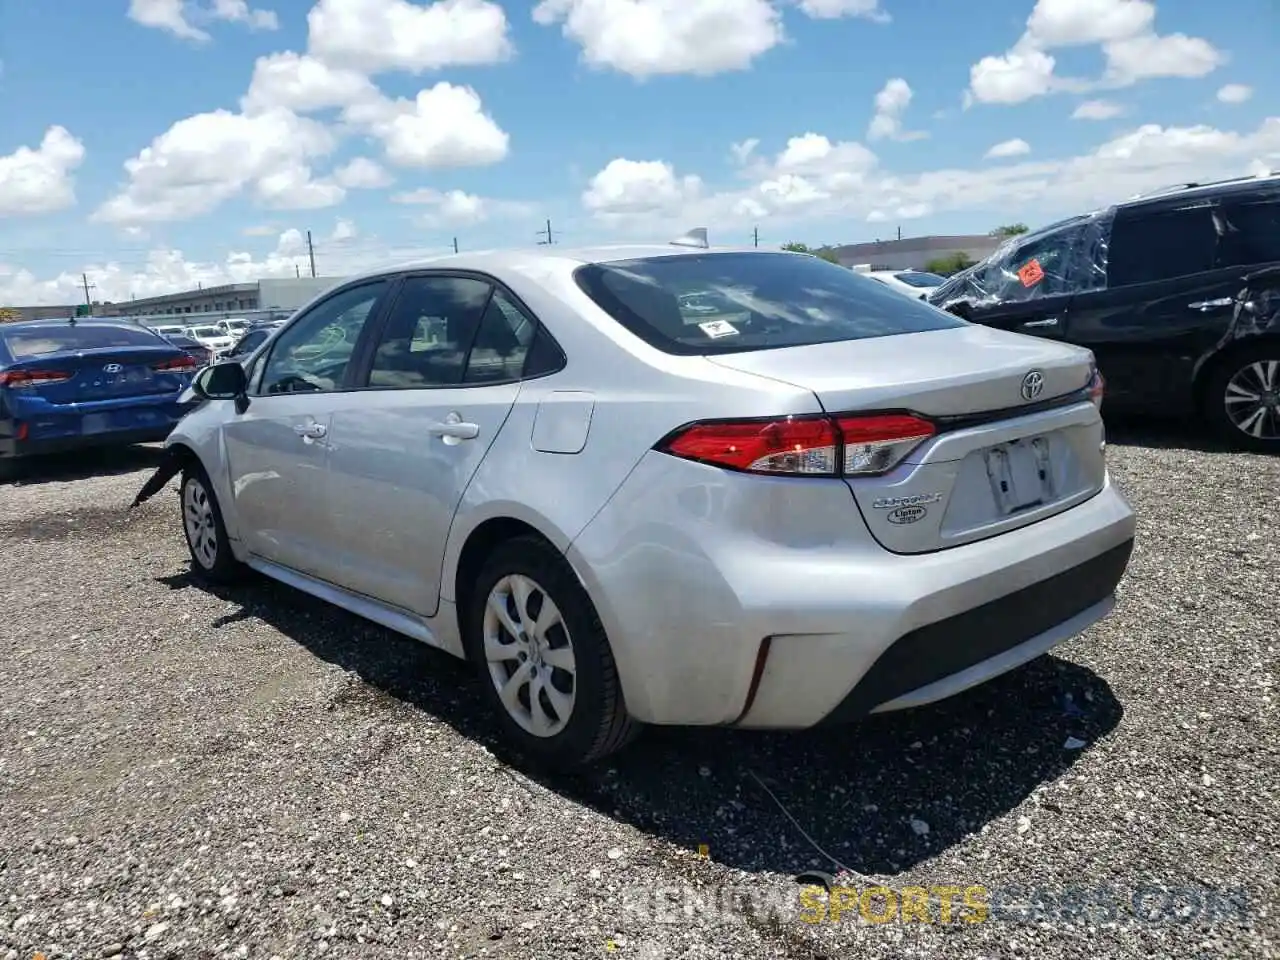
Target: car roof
[1178,194]
[65,322]
[529,260]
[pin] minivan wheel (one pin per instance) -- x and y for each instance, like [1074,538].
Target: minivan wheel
[211,556]
[1242,399]
[543,657]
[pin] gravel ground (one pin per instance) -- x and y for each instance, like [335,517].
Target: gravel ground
[253,774]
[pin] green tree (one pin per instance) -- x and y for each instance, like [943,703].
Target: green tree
[822,253]
[9,315]
[951,263]
[1009,230]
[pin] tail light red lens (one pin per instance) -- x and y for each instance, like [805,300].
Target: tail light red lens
[182,364]
[1097,387]
[32,378]
[814,446]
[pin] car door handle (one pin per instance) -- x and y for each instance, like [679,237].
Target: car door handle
[1204,306]
[1050,322]
[455,431]
[311,431]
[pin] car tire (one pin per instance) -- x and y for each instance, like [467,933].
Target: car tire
[583,716]
[10,469]
[1226,407]
[207,540]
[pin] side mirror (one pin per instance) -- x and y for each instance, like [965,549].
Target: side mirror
[221,381]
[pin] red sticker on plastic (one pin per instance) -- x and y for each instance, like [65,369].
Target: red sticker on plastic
[1031,273]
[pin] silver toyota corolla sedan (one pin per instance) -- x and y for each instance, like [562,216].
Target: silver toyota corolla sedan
[664,484]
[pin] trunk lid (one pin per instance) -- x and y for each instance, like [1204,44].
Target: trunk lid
[106,374]
[1000,461]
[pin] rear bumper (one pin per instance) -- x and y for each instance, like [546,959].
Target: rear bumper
[729,600]
[53,429]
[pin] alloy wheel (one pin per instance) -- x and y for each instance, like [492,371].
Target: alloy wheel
[1252,399]
[201,526]
[530,655]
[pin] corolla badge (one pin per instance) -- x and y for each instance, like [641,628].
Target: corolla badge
[112,368]
[1032,385]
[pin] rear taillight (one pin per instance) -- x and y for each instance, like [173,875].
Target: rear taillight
[811,446]
[180,364]
[32,378]
[1097,387]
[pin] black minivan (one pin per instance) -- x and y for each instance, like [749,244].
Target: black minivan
[1177,293]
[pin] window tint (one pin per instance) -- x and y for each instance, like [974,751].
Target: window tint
[314,352]
[38,341]
[1250,233]
[249,342]
[1146,247]
[501,344]
[429,332]
[730,302]
[545,355]
[916,278]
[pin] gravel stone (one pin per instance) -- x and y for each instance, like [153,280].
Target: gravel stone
[187,773]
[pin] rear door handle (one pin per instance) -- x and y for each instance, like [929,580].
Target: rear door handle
[311,431]
[1050,322]
[455,431]
[1204,306]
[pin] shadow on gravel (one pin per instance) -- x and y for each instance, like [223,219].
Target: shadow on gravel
[1164,434]
[878,797]
[82,464]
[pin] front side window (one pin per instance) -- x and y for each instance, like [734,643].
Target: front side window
[314,352]
[696,304]
[1162,245]
[429,332]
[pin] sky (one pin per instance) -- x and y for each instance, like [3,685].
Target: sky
[152,145]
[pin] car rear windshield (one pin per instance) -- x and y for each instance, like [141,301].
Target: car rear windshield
[207,332]
[40,341]
[915,278]
[733,302]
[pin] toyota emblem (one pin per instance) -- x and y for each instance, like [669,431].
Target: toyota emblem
[112,368]
[1032,385]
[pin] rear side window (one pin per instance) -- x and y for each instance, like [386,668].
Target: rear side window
[1251,233]
[1147,247]
[428,332]
[731,302]
[40,341]
[913,278]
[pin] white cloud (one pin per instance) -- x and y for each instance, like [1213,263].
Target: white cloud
[40,180]
[206,159]
[835,9]
[743,150]
[459,208]
[1124,30]
[627,188]
[1235,93]
[294,187]
[169,15]
[1097,110]
[812,178]
[379,35]
[303,84]
[1016,147]
[239,11]
[444,126]
[175,16]
[647,38]
[362,173]
[891,103]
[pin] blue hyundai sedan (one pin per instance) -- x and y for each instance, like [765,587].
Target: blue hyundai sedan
[71,384]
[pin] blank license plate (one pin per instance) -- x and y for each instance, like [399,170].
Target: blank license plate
[1021,474]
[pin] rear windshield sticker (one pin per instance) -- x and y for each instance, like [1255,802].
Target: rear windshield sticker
[718,328]
[1031,273]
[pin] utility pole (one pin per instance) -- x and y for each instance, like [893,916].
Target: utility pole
[546,233]
[455,244]
[311,252]
[84,278]
[755,237]
[297,270]
[899,233]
